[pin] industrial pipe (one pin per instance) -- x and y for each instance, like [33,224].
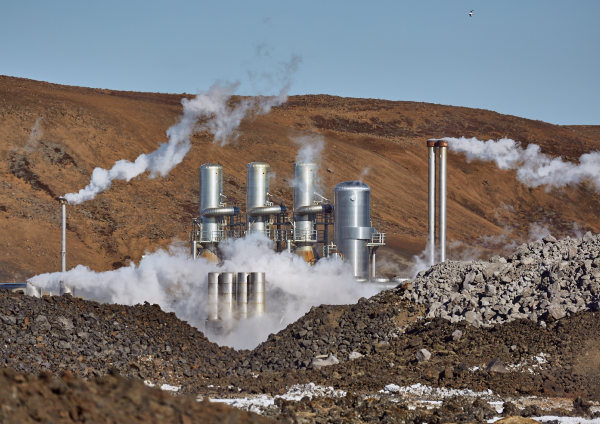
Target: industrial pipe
[267,210]
[63,253]
[256,294]
[226,295]
[309,210]
[216,212]
[242,295]
[443,151]
[213,296]
[431,146]
[374,263]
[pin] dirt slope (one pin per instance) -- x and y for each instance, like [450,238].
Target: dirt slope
[84,128]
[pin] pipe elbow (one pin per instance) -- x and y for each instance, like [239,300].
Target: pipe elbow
[309,210]
[215,212]
[268,210]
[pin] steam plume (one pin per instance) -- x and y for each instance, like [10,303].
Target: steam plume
[174,280]
[310,149]
[534,168]
[209,111]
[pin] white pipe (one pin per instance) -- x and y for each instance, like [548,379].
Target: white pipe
[431,146]
[63,206]
[374,264]
[443,149]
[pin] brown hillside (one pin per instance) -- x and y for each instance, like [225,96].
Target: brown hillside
[84,128]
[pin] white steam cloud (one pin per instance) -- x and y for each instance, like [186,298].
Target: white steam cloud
[208,111]
[310,149]
[534,168]
[174,280]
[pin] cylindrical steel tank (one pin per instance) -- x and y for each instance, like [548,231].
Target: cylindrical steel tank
[226,295]
[211,188]
[352,226]
[257,187]
[213,296]
[242,295]
[305,180]
[256,294]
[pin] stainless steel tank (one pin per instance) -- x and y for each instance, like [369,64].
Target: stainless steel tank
[256,294]
[305,180]
[213,296]
[257,187]
[352,226]
[242,295]
[211,188]
[226,295]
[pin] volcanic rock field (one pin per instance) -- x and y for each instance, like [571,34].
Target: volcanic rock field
[540,339]
[512,332]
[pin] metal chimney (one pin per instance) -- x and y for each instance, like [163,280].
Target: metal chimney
[63,253]
[431,147]
[443,149]
[438,152]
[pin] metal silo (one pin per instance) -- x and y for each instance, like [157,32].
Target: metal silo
[258,206]
[216,221]
[353,231]
[211,188]
[307,204]
[257,189]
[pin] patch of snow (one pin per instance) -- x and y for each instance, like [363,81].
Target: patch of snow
[442,393]
[170,388]
[296,392]
[166,387]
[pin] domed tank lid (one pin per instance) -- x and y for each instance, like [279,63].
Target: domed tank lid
[305,164]
[211,165]
[352,186]
[258,165]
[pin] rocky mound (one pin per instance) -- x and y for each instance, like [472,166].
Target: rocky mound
[516,358]
[109,399]
[87,338]
[541,280]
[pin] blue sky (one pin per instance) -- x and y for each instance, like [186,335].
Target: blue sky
[538,59]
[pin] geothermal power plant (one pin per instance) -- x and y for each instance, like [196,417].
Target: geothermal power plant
[304,230]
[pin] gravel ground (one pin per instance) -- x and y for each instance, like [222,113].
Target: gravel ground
[109,399]
[394,339]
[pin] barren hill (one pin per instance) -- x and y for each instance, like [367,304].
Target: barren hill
[53,136]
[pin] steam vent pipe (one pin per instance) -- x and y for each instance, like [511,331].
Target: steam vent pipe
[256,294]
[226,295]
[213,296]
[438,153]
[63,253]
[443,150]
[241,296]
[431,147]
[63,288]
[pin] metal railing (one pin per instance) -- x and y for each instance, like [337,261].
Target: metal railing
[328,249]
[378,239]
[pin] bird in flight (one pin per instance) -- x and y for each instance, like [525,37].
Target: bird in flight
[470,13]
